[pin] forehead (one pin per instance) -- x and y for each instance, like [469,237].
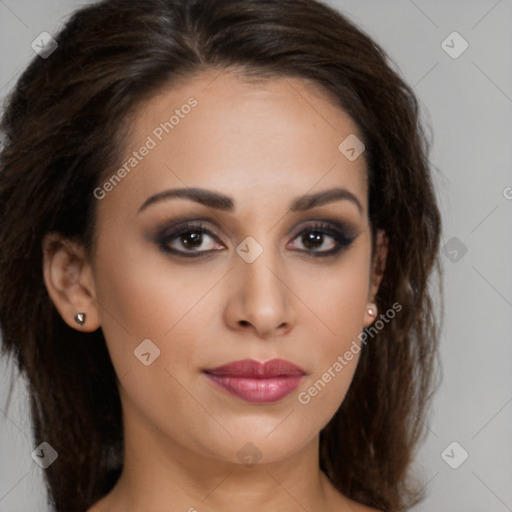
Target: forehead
[278,136]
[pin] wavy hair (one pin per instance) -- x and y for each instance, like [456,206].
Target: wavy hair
[58,145]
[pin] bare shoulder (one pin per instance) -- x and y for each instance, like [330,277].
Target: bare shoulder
[355,506]
[364,508]
[94,508]
[340,502]
[99,506]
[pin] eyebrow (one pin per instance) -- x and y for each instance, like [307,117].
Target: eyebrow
[222,202]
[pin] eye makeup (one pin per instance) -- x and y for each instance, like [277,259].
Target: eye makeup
[187,238]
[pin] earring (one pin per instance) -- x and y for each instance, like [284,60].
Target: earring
[80,318]
[372,310]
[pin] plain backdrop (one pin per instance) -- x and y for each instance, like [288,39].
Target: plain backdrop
[466,99]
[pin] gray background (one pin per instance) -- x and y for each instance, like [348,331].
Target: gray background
[468,103]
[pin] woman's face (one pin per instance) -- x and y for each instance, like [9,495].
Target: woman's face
[278,272]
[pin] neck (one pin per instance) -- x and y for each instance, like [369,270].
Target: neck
[162,474]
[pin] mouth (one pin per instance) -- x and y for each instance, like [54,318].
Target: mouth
[257,382]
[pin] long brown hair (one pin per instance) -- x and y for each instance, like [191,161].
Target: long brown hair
[62,134]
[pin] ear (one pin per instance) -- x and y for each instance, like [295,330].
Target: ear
[377,271]
[69,280]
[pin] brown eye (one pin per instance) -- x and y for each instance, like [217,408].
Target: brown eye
[322,240]
[314,240]
[189,240]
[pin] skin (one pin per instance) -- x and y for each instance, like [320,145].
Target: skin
[263,145]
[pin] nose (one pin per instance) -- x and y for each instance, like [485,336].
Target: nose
[260,299]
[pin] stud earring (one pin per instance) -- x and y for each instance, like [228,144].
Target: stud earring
[80,319]
[372,310]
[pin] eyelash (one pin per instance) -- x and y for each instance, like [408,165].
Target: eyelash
[340,236]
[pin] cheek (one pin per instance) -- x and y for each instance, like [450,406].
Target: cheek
[338,301]
[139,300]
[337,297]
[148,294]
[334,356]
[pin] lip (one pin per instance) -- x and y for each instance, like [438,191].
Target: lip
[255,381]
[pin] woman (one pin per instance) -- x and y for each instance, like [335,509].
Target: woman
[218,230]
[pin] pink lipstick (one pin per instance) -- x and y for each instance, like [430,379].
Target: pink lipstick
[257,382]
